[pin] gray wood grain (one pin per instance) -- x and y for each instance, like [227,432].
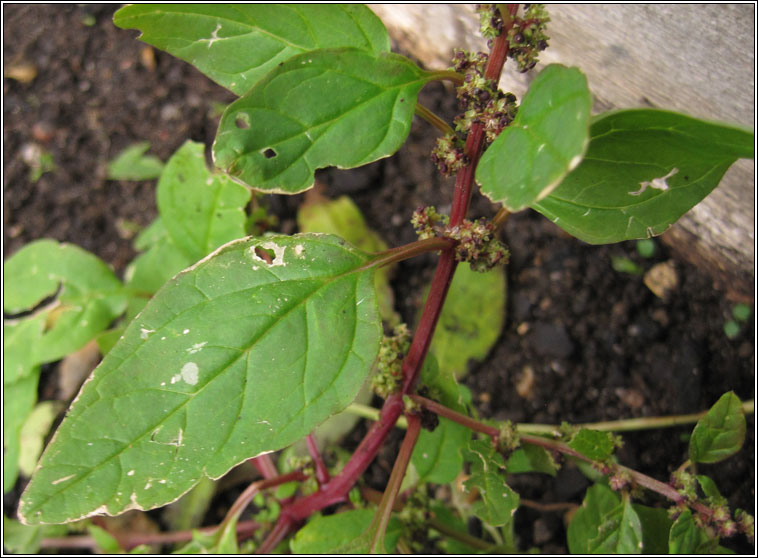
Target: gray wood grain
[697,59]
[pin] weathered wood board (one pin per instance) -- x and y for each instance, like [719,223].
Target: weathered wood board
[698,59]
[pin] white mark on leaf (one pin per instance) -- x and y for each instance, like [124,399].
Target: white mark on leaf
[130,473]
[574,162]
[63,479]
[189,373]
[214,36]
[185,332]
[196,348]
[299,250]
[657,183]
[144,333]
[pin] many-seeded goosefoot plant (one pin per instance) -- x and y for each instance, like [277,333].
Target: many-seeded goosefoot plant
[262,338]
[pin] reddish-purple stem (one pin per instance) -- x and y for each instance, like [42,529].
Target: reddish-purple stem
[265,466]
[336,489]
[322,474]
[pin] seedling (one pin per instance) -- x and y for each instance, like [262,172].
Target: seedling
[228,347]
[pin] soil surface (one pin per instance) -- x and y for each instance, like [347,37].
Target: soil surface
[582,342]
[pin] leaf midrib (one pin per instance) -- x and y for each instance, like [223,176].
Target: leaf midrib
[190,397]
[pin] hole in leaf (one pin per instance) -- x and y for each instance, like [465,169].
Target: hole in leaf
[265,254]
[242,121]
[269,153]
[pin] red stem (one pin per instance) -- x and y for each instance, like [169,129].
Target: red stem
[336,489]
[322,474]
[265,466]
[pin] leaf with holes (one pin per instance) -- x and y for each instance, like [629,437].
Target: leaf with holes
[200,210]
[720,433]
[643,170]
[545,141]
[335,107]
[232,358]
[88,296]
[236,45]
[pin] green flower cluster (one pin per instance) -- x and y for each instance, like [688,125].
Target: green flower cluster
[389,366]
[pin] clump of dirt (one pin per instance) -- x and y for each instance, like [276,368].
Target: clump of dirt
[582,341]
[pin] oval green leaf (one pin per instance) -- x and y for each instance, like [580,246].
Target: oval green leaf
[720,433]
[232,358]
[338,107]
[236,45]
[643,170]
[545,141]
[471,320]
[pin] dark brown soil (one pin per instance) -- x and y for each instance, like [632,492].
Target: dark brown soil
[598,343]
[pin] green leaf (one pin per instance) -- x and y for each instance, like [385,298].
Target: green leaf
[32,435]
[133,164]
[339,107]
[643,170]
[161,260]
[619,532]
[343,218]
[545,141]
[234,357]
[598,502]
[21,539]
[529,459]
[720,433]
[741,312]
[343,533]
[18,401]
[188,511]
[222,541]
[593,444]
[88,297]
[711,491]
[106,543]
[687,538]
[20,341]
[655,529]
[437,455]
[471,320]
[237,45]
[498,502]
[199,209]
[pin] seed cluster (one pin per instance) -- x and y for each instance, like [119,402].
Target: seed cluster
[527,37]
[720,520]
[475,240]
